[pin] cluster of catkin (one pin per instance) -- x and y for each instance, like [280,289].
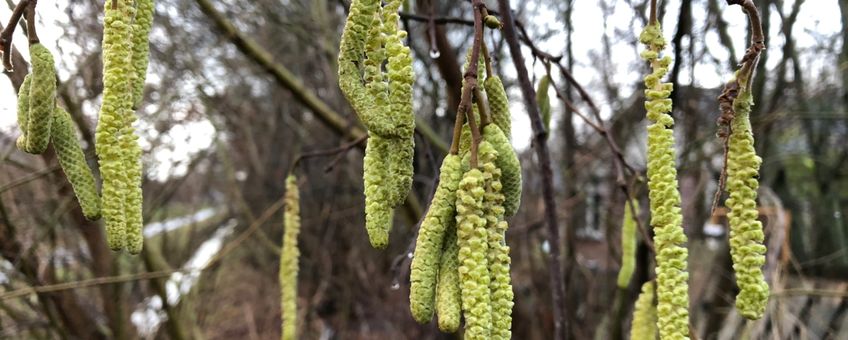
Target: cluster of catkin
[382,100]
[125,56]
[289,259]
[126,27]
[460,267]
[41,121]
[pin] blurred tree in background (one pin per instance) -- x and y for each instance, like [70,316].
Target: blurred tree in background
[238,90]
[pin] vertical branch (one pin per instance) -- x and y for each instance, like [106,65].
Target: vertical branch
[540,137]
[8,33]
[32,35]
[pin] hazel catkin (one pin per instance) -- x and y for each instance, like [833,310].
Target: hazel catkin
[666,218]
[628,246]
[544,100]
[23,111]
[141,47]
[351,54]
[497,256]
[117,102]
[473,267]
[746,231]
[507,161]
[378,213]
[289,259]
[42,99]
[448,293]
[498,104]
[440,217]
[644,324]
[72,160]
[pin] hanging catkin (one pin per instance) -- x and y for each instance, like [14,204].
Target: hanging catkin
[473,246]
[507,161]
[141,47]
[42,99]
[644,325]
[23,111]
[544,100]
[666,219]
[428,247]
[628,246]
[72,160]
[351,54]
[289,259]
[117,103]
[746,231]
[498,104]
[497,256]
[378,213]
[448,293]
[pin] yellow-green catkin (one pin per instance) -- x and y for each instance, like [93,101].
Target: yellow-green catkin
[141,47]
[440,217]
[400,74]
[666,218]
[644,324]
[128,140]
[497,257]
[400,159]
[23,111]
[72,160]
[133,196]
[379,119]
[378,213]
[351,54]
[628,246]
[746,231]
[544,100]
[510,166]
[498,104]
[448,293]
[42,99]
[289,259]
[472,239]
[117,103]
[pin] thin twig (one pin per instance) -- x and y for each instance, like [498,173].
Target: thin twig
[541,147]
[330,152]
[8,33]
[29,178]
[435,20]
[268,213]
[470,81]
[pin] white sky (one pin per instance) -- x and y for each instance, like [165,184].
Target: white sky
[817,18]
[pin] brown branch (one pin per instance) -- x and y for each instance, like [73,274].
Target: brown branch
[653,13]
[540,137]
[32,34]
[8,33]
